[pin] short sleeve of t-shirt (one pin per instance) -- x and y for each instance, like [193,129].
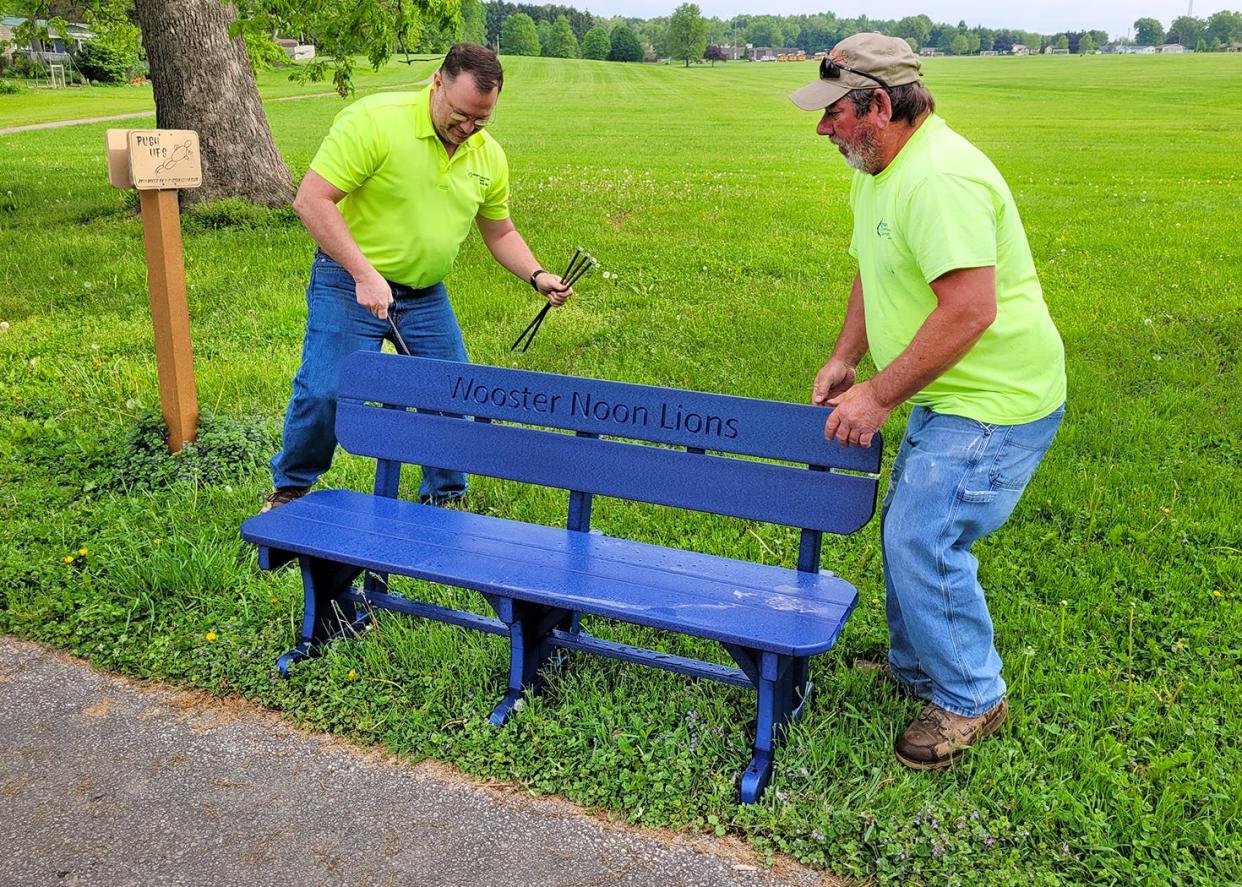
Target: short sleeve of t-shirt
[951,223]
[352,150]
[495,204]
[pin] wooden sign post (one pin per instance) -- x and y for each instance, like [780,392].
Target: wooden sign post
[158,162]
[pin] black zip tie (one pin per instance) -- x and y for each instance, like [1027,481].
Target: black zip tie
[400,342]
[580,264]
[532,328]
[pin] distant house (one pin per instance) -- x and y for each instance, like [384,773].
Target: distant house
[732,53]
[1173,48]
[1019,49]
[763,53]
[295,50]
[55,50]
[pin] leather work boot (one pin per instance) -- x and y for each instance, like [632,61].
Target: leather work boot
[282,496]
[936,738]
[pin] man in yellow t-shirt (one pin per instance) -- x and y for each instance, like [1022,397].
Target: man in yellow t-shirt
[947,302]
[389,198]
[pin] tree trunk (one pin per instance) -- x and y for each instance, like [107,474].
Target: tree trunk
[203,81]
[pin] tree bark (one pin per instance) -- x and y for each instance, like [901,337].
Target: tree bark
[203,81]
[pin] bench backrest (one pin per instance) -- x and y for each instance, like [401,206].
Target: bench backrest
[686,458]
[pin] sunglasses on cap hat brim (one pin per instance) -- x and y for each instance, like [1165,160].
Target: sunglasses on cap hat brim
[830,69]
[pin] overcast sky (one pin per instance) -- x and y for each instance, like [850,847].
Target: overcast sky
[1047,17]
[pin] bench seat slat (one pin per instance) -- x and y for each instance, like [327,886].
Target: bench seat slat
[451,525]
[579,556]
[794,614]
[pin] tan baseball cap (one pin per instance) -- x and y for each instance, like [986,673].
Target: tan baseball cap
[861,61]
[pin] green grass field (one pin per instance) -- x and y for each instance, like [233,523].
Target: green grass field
[1115,587]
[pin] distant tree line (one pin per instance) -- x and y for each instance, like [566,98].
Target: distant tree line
[1223,28]
[672,37]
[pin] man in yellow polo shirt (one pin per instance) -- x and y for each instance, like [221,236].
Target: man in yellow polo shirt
[390,197]
[947,302]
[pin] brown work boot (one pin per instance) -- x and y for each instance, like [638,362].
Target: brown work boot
[936,738]
[282,496]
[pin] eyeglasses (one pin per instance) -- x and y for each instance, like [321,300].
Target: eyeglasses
[457,117]
[830,69]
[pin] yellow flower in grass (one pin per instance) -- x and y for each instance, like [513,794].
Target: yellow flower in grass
[353,675]
[211,635]
[84,551]
[68,558]
[1217,593]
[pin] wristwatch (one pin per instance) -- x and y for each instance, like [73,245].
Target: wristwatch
[535,274]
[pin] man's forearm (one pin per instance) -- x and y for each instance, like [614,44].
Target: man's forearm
[943,339]
[323,219]
[851,344]
[511,253]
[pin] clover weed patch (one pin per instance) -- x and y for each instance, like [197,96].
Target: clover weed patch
[722,224]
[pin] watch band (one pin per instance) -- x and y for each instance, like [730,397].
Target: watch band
[535,274]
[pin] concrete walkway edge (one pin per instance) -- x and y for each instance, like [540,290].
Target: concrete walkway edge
[105,780]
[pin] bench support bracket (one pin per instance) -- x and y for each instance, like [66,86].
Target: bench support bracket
[783,689]
[530,647]
[327,613]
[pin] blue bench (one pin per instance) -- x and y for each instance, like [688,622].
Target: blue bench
[635,442]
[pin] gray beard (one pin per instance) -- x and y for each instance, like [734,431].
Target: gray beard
[863,155]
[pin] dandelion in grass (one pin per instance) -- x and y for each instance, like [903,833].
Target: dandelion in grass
[84,551]
[68,558]
[1217,593]
[353,675]
[211,636]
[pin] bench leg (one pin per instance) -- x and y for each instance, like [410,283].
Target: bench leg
[776,685]
[325,616]
[529,628]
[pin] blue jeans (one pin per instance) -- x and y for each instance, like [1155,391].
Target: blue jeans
[337,326]
[954,481]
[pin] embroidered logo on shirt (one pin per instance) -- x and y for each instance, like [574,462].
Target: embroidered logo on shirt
[882,230]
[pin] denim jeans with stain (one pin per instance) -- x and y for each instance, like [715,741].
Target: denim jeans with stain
[954,481]
[337,326]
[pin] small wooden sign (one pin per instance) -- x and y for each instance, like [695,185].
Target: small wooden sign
[159,162]
[163,159]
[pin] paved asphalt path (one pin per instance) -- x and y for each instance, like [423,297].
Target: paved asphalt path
[112,782]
